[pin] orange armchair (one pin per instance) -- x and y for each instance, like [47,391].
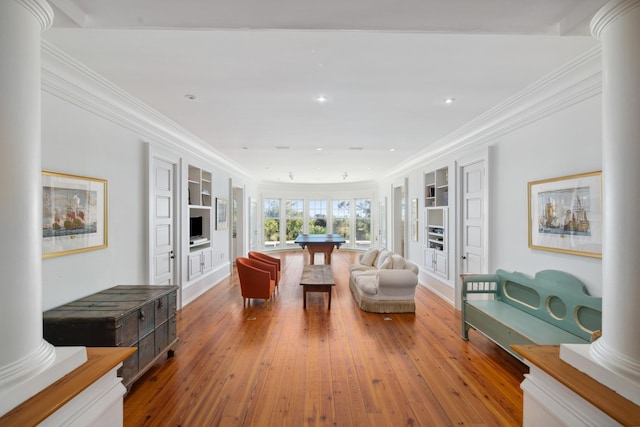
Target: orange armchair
[257,279]
[268,259]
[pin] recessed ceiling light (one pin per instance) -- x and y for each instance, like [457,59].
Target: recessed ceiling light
[449,100]
[392,149]
[319,149]
[321,99]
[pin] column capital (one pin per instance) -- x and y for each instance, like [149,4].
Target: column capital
[609,13]
[41,10]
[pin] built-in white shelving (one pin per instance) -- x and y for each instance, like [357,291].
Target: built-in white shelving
[436,201]
[199,189]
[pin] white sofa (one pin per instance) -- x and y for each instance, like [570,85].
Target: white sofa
[384,282]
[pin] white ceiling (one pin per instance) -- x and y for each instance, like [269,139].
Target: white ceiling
[386,66]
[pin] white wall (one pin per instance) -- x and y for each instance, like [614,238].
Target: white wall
[77,142]
[91,128]
[549,130]
[564,143]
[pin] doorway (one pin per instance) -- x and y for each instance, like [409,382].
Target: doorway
[399,212]
[163,212]
[238,230]
[473,214]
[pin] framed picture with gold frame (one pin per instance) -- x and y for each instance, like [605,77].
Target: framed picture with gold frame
[565,214]
[74,214]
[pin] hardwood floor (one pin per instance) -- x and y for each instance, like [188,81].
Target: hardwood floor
[280,365]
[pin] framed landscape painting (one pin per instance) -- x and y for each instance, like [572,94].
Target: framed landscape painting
[74,214]
[565,214]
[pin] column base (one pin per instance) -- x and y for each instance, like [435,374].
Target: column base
[580,357]
[548,403]
[66,360]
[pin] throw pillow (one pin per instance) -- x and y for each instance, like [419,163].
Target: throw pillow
[369,257]
[382,257]
[387,264]
[397,262]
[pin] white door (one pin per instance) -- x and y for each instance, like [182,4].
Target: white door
[383,224]
[473,219]
[253,225]
[163,218]
[239,232]
[398,220]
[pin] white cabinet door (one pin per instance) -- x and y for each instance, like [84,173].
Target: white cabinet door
[440,263]
[195,265]
[207,260]
[428,259]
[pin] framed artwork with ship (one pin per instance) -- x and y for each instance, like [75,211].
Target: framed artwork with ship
[74,214]
[565,214]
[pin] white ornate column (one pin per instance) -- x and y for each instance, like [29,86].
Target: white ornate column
[27,362]
[614,359]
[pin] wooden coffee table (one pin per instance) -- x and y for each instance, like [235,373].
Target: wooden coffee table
[316,278]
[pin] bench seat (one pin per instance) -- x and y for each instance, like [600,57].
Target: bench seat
[506,325]
[511,308]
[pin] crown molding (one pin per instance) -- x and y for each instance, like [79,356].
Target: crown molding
[609,13]
[68,79]
[571,84]
[41,10]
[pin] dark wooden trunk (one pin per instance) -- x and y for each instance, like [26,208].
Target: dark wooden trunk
[123,316]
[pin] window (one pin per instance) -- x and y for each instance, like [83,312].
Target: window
[363,223]
[272,223]
[341,212]
[317,217]
[294,220]
[285,219]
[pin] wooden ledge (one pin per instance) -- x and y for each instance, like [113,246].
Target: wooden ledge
[547,358]
[36,409]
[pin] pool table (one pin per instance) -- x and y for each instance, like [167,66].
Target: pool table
[320,243]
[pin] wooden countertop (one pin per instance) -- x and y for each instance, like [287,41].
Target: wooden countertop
[547,358]
[36,409]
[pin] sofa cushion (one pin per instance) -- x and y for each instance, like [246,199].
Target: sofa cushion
[369,257]
[387,264]
[370,271]
[408,265]
[359,267]
[382,257]
[397,262]
[367,284]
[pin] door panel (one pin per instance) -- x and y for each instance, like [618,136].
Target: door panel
[253,225]
[163,222]
[473,226]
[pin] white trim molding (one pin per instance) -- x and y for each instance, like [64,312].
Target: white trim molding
[41,10]
[571,84]
[609,13]
[68,79]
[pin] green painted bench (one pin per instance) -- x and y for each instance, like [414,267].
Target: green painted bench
[551,308]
